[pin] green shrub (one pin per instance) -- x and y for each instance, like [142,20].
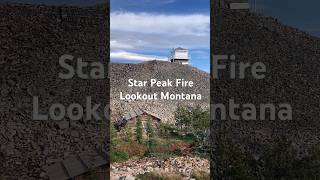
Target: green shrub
[166,130]
[118,156]
[133,149]
[139,131]
[231,161]
[127,134]
[309,168]
[201,175]
[161,156]
[151,142]
[161,148]
[183,117]
[280,160]
[181,148]
[193,124]
[159,176]
[114,140]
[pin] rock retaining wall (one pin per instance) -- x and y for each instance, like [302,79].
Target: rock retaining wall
[33,37]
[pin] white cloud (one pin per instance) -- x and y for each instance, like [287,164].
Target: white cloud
[154,1]
[117,44]
[140,3]
[149,41]
[124,55]
[152,23]
[151,34]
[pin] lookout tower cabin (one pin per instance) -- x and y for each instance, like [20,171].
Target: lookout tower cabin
[130,120]
[242,5]
[180,55]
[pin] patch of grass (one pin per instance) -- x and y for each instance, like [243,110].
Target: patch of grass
[201,175]
[159,176]
[161,155]
[133,149]
[119,156]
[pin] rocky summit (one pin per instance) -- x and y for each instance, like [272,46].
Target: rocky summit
[291,57]
[182,84]
[33,37]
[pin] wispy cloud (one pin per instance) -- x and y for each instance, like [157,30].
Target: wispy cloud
[136,40]
[117,44]
[151,23]
[141,2]
[155,1]
[123,55]
[136,36]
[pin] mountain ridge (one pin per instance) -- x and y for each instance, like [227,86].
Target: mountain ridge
[121,73]
[292,60]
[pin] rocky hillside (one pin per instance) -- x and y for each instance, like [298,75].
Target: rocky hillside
[121,73]
[32,39]
[184,166]
[292,58]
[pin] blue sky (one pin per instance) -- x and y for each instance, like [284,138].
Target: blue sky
[181,23]
[58,2]
[143,30]
[297,13]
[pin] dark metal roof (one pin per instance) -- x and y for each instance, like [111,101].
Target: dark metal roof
[57,171]
[75,166]
[126,116]
[152,114]
[180,48]
[138,111]
[132,114]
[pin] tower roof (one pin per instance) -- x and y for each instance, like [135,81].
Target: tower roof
[180,48]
